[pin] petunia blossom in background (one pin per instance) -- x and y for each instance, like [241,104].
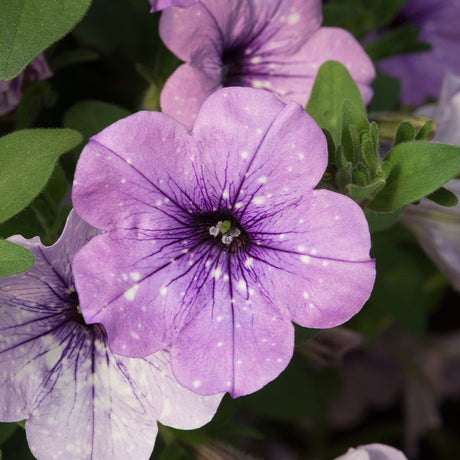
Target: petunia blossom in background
[11,91]
[80,400]
[276,45]
[216,240]
[438,227]
[422,73]
[373,451]
[158,5]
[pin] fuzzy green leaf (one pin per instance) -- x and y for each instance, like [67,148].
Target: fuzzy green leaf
[27,27]
[333,84]
[418,169]
[14,258]
[27,159]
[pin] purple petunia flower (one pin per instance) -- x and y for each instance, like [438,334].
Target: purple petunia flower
[276,45]
[373,451]
[421,74]
[158,5]
[11,91]
[437,227]
[80,400]
[216,240]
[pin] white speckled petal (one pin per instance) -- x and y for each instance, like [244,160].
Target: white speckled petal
[80,400]
[373,451]
[238,342]
[164,270]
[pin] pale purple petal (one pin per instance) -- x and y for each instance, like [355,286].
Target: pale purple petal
[239,341]
[327,44]
[158,5]
[438,23]
[134,289]
[317,258]
[185,91]
[210,27]
[272,45]
[374,451]
[80,400]
[123,181]
[276,149]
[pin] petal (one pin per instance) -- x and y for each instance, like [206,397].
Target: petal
[87,393]
[327,44]
[255,149]
[143,296]
[192,34]
[373,451]
[185,91]
[205,30]
[174,405]
[116,184]
[319,293]
[237,343]
[324,224]
[314,257]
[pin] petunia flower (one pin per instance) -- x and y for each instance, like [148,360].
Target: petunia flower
[276,45]
[80,400]
[375,451]
[438,227]
[215,239]
[422,73]
[11,91]
[158,5]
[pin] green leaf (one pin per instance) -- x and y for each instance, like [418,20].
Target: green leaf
[354,125]
[426,132]
[418,169]
[27,160]
[379,221]
[443,197]
[333,84]
[27,27]
[359,192]
[14,258]
[89,117]
[405,132]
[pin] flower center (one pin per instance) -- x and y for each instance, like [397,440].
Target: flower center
[73,300]
[222,229]
[233,67]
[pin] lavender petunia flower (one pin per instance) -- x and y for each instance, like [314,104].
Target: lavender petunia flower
[216,239]
[373,451]
[80,400]
[158,5]
[276,45]
[437,227]
[11,91]
[207,250]
[421,74]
